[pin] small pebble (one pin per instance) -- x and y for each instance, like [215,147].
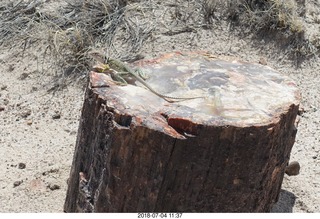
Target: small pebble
[56,116]
[23,76]
[29,122]
[21,165]
[53,170]
[293,168]
[3,87]
[17,183]
[1,108]
[54,187]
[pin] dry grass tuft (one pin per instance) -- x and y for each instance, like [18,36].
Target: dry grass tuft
[280,20]
[71,30]
[268,14]
[18,19]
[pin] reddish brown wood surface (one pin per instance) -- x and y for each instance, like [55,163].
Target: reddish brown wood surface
[227,152]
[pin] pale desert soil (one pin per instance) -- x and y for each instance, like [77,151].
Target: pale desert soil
[39,128]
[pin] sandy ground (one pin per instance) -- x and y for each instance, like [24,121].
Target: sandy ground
[38,129]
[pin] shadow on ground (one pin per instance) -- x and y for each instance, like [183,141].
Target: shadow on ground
[285,203]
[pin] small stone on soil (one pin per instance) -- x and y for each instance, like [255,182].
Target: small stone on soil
[23,76]
[54,187]
[293,168]
[17,183]
[56,115]
[21,165]
[3,87]
[54,170]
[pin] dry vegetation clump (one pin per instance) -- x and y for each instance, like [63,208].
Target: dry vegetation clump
[95,24]
[281,20]
[17,20]
[71,30]
[267,15]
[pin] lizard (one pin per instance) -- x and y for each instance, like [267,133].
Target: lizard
[121,73]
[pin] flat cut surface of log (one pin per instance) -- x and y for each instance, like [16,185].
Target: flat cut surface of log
[226,152]
[234,92]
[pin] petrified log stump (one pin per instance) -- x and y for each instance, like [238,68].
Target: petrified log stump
[226,152]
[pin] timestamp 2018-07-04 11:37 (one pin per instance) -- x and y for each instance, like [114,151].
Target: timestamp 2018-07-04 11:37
[159,215]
